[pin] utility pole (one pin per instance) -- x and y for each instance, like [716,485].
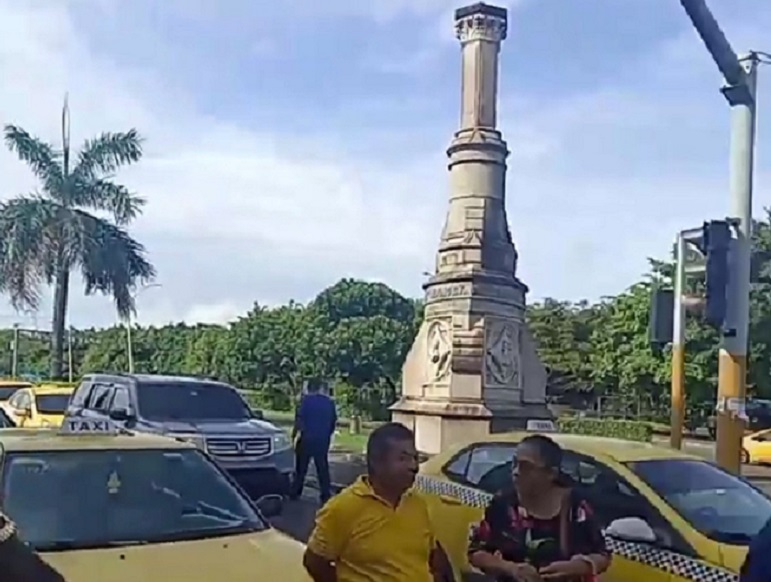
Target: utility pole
[15,352]
[740,92]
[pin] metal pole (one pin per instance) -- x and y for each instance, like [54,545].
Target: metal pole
[15,357]
[732,375]
[678,350]
[69,355]
[129,346]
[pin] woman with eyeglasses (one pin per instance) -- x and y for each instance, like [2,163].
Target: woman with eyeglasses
[539,529]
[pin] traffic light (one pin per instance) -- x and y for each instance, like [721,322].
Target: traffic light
[661,321]
[716,245]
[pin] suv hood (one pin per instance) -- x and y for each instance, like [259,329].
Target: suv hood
[249,427]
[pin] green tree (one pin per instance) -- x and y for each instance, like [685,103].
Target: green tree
[44,236]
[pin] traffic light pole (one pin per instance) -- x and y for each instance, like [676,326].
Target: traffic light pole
[678,349]
[740,91]
[732,374]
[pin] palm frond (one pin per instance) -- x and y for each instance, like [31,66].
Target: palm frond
[107,196]
[105,154]
[28,245]
[111,262]
[40,156]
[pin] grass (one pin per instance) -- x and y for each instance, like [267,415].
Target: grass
[343,441]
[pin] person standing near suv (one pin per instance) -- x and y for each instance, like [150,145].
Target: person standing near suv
[314,425]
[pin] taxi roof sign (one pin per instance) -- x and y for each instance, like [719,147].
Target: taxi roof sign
[84,426]
[541,426]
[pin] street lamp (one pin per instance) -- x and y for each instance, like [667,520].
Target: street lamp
[129,344]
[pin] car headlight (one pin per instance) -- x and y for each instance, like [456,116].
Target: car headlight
[193,439]
[281,441]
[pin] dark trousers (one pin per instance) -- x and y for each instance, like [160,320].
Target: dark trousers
[318,452]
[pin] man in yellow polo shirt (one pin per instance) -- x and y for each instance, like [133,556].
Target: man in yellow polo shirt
[378,529]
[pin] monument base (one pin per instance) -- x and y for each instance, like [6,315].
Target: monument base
[440,425]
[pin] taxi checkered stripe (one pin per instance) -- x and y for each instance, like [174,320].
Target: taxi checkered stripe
[670,562]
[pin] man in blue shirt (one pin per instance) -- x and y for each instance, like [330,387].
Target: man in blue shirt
[757,565]
[314,426]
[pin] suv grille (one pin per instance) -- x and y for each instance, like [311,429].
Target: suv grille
[256,447]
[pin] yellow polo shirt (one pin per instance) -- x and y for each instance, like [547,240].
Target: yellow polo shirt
[369,539]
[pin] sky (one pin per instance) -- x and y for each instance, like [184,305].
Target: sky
[291,143]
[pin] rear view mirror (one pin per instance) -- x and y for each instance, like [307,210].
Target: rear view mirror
[24,412]
[120,415]
[270,505]
[631,529]
[258,414]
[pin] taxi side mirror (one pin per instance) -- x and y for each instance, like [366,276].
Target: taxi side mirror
[631,529]
[270,505]
[120,415]
[24,412]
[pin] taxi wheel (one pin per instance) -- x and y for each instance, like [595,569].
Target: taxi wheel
[745,457]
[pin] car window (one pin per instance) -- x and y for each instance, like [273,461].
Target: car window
[457,467]
[52,403]
[99,397]
[80,396]
[120,399]
[72,499]
[720,505]
[190,401]
[7,391]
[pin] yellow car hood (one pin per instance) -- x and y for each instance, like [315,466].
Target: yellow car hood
[233,559]
[733,556]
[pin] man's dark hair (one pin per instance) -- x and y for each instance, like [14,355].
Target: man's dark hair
[382,438]
[314,385]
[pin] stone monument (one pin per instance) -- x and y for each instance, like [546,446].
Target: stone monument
[473,368]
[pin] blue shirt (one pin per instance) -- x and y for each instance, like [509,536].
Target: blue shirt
[757,566]
[316,418]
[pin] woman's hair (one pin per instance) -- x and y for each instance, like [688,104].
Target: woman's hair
[550,454]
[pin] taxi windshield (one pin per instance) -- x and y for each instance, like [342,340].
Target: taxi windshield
[720,505]
[52,403]
[63,500]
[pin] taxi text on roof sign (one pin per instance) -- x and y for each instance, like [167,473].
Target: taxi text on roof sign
[541,426]
[88,426]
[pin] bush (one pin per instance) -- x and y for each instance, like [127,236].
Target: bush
[631,430]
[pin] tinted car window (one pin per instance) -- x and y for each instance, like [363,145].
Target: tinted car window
[120,400]
[52,403]
[7,391]
[76,499]
[190,401]
[715,502]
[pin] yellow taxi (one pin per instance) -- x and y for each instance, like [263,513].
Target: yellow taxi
[40,406]
[102,504]
[667,516]
[756,447]
[8,387]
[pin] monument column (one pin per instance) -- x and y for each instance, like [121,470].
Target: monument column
[473,367]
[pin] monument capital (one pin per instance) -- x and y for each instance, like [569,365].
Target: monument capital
[481,22]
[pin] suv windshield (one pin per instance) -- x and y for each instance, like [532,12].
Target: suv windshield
[715,502]
[190,401]
[76,499]
[52,403]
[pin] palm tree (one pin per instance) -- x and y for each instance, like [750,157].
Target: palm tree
[47,234]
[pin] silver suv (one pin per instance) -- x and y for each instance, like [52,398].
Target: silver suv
[213,415]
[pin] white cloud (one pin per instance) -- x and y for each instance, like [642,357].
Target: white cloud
[236,215]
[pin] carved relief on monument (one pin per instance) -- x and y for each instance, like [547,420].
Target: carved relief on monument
[439,350]
[502,353]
